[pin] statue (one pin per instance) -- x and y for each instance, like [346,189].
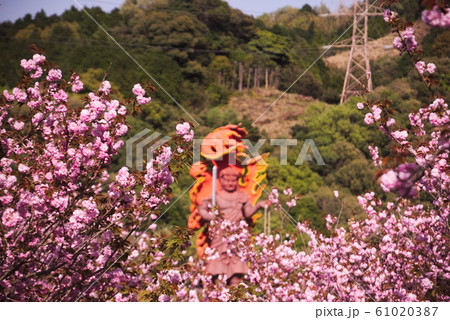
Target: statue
[237,193]
[235,206]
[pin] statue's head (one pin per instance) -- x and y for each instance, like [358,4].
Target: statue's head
[228,179]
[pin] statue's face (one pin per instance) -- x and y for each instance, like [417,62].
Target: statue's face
[229,182]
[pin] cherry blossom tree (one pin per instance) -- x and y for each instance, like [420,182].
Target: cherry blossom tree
[69,229]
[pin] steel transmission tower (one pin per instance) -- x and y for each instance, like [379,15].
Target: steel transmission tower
[358,77]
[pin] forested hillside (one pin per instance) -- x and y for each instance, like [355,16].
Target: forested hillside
[212,59]
[201,51]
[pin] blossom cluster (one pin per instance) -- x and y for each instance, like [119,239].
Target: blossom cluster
[389,15]
[406,40]
[77,84]
[437,17]
[33,66]
[401,180]
[405,263]
[422,67]
[375,156]
[64,219]
[140,93]
[375,115]
[184,130]
[289,199]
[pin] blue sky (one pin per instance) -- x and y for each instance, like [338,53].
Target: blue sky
[14,9]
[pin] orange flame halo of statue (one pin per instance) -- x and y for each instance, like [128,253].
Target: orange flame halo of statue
[224,148]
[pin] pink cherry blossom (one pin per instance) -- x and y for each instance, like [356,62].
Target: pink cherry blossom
[389,181]
[184,130]
[77,84]
[389,15]
[431,68]
[390,122]
[376,111]
[143,100]
[406,41]
[400,134]
[369,119]
[38,58]
[105,87]
[421,67]
[437,17]
[291,203]
[23,168]
[375,157]
[54,75]
[56,192]
[38,72]
[18,125]
[8,96]
[138,90]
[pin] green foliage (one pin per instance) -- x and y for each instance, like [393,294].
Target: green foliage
[218,117]
[274,46]
[387,69]
[403,96]
[328,124]
[217,95]
[341,137]
[307,85]
[441,45]
[221,64]
[409,10]
[92,78]
[308,210]
[300,178]
[377,27]
[307,9]
[180,44]
[357,176]
[443,74]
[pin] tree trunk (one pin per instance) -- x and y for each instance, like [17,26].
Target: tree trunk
[267,78]
[233,80]
[241,76]
[272,73]
[258,78]
[249,75]
[277,78]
